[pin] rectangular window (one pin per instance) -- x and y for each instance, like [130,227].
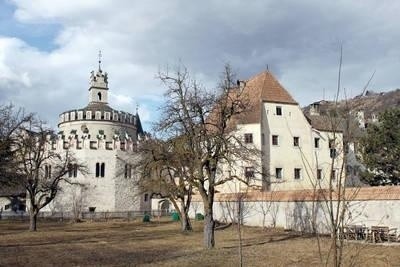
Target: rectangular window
[278,173]
[319,174]
[93,145]
[333,175]
[332,153]
[279,111]
[249,172]
[316,142]
[275,140]
[88,115]
[331,143]
[102,169]
[248,138]
[75,170]
[262,139]
[97,169]
[146,197]
[70,170]
[296,141]
[297,173]
[107,115]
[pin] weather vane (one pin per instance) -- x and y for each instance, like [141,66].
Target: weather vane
[100,60]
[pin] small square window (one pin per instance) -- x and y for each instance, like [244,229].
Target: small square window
[316,142]
[278,173]
[279,111]
[296,141]
[248,138]
[297,173]
[275,140]
[249,172]
[319,174]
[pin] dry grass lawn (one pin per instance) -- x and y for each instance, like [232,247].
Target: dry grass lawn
[119,243]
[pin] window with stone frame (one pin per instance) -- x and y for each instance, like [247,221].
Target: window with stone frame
[296,141]
[319,174]
[333,175]
[278,173]
[297,173]
[278,110]
[128,171]
[249,172]
[316,142]
[248,138]
[275,140]
[332,148]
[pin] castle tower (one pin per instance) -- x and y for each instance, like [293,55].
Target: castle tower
[98,90]
[105,140]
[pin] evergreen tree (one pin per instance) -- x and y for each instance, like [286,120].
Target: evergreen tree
[381,150]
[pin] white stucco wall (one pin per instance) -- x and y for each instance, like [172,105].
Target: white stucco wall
[297,215]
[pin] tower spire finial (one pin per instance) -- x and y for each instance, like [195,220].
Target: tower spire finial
[100,55]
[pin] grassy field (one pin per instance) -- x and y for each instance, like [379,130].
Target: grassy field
[119,243]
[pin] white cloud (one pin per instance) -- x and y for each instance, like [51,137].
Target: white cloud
[298,41]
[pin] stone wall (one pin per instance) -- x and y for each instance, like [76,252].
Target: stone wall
[296,209]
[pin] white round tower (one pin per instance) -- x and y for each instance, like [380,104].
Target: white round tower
[105,140]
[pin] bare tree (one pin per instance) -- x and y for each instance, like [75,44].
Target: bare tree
[42,168]
[336,197]
[162,165]
[11,120]
[204,122]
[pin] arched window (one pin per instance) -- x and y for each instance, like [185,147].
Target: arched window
[99,95]
[128,171]
[70,170]
[75,167]
[97,169]
[102,169]
[47,171]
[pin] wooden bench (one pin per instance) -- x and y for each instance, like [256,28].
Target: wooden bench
[382,234]
[355,232]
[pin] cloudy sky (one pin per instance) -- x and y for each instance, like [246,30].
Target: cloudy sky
[49,47]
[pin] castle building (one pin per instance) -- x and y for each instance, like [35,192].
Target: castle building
[104,140]
[297,151]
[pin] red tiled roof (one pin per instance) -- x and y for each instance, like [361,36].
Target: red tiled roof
[263,88]
[353,193]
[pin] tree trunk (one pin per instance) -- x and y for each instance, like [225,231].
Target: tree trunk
[209,223]
[239,229]
[32,220]
[185,221]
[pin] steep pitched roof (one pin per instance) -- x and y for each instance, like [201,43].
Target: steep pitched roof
[269,89]
[263,88]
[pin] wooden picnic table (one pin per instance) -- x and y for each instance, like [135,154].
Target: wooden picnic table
[355,232]
[379,234]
